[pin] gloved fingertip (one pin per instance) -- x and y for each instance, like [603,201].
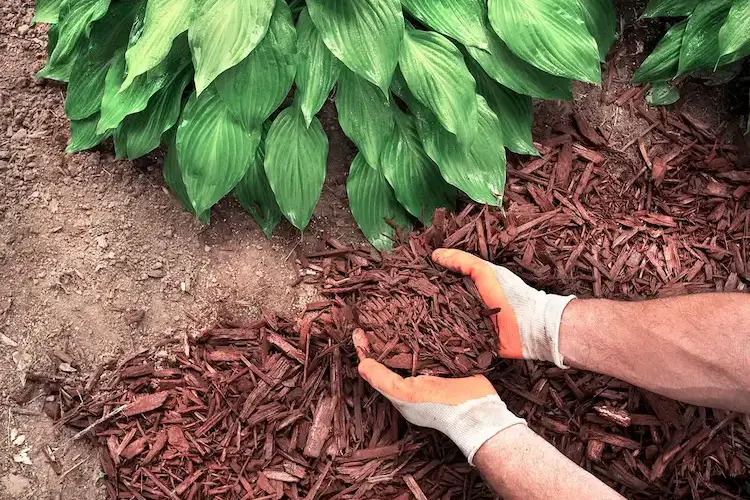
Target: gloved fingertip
[441,254]
[361,344]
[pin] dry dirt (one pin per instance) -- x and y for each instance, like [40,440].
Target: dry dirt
[88,242]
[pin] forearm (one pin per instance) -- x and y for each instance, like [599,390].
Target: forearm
[694,349]
[519,464]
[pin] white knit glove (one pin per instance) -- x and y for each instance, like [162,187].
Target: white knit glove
[467,410]
[528,324]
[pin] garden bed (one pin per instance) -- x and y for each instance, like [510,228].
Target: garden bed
[275,407]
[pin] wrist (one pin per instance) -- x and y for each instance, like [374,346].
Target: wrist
[498,445]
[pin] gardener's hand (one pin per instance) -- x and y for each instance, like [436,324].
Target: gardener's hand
[467,410]
[528,324]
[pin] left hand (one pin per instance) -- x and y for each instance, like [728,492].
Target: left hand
[467,410]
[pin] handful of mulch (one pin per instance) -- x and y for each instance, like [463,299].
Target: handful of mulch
[424,320]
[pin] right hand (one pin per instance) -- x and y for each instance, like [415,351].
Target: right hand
[528,324]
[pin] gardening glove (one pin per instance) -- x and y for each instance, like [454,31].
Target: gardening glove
[467,410]
[528,324]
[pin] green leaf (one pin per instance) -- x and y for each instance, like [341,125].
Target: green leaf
[86,87]
[173,179]
[515,112]
[153,35]
[255,195]
[364,114]
[317,68]
[700,44]
[363,34]
[549,34]
[372,201]
[47,11]
[477,170]
[415,179]
[75,18]
[670,8]
[734,35]
[52,34]
[224,32]
[510,70]
[255,87]
[601,21]
[462,20]
[296,164]
[117,103]
[141,133]
[213,149]
[663,63]
[437,76]
[662,94]
[83,134]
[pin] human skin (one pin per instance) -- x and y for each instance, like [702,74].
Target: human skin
[694,348]
[519,464]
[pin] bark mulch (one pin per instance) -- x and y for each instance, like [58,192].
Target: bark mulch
[274,408]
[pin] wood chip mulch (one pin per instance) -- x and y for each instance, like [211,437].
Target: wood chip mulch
[274,408]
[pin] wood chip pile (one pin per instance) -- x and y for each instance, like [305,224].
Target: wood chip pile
[275,409]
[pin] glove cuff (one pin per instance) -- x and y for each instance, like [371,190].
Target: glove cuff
[552,318]
[479,420]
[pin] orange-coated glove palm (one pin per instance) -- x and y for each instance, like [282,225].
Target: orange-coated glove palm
[467,410]
[528,324]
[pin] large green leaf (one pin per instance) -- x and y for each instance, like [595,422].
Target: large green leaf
[734,35]
[173,179]
[255,87]
[86,87]
[364,34]
[601,21]
[117,103]
[477,170]
[213,149]
[296,164]
[364,114]
[700,45]
[549,34]
[414,177]
[462,20]
[515,112]
[74,20]
[372,201]
[317,68]
[47,11]
[437,76]
[510,70]
[663,63]
[83,134]
[223,32]
[401,89]
[255,195]
[662,94]
[161,23]
[670,8]
[52,34]
[141,133]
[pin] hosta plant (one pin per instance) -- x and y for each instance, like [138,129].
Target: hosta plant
[431,93]
[713,35]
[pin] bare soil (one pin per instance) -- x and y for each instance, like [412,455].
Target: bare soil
[98,258]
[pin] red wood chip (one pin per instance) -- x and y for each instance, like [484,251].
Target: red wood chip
[146,403]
